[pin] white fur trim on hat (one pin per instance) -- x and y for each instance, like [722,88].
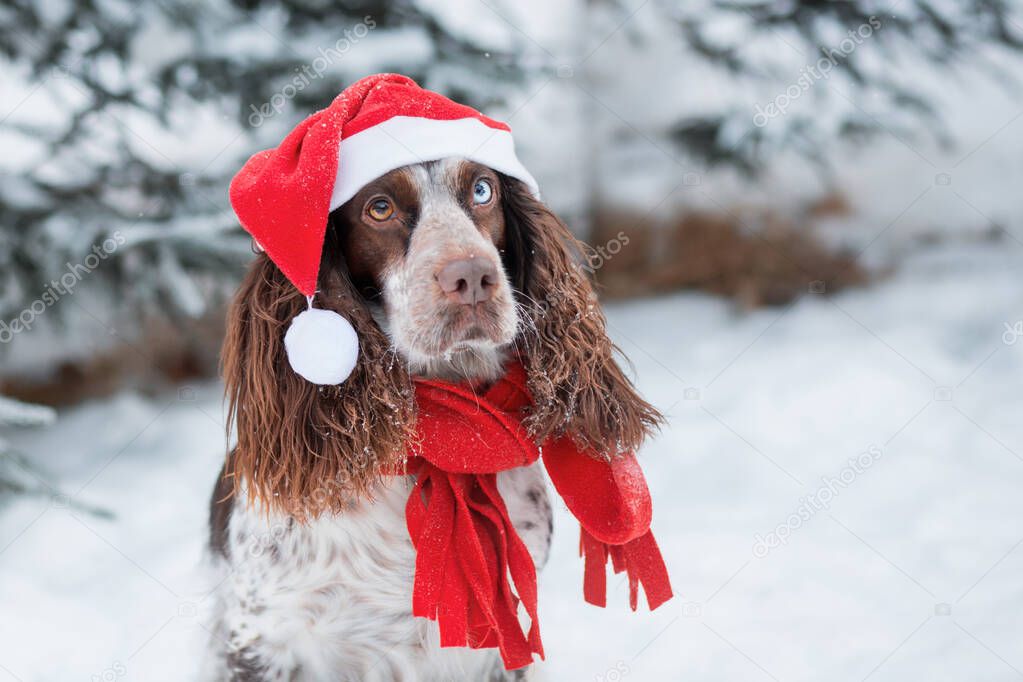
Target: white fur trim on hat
[405,140]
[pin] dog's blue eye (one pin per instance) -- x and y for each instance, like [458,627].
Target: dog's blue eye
[482,192]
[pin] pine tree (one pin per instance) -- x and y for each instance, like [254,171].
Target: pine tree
[856,95]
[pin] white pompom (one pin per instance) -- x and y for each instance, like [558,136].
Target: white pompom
[322,346]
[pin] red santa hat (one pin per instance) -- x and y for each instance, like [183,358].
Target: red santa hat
[283,196]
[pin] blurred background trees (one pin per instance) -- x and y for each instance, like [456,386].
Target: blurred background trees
[727,138]
[875,93]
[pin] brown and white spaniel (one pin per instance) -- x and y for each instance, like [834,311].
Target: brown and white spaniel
[446,269]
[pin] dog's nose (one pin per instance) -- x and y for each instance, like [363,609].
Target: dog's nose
[468,280]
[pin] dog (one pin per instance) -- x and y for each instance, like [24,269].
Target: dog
[448,270]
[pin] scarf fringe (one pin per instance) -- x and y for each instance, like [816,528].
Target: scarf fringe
[641,561]
[466,547]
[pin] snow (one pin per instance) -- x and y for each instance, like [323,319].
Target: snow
[910,573]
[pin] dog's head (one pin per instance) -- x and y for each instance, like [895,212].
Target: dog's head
[445,269]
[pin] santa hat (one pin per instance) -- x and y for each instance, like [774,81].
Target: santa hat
[283,196]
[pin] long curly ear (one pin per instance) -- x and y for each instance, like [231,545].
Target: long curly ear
[304,449]
[577,386]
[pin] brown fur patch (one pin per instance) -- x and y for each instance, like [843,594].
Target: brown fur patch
[370,246]
[489,218]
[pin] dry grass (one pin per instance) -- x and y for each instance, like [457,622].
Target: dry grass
[767,264]
[165,355]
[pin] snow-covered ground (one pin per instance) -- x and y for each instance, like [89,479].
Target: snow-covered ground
[910,573]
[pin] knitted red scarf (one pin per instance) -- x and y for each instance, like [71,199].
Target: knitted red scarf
[466,546]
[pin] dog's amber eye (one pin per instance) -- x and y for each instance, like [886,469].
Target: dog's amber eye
[482,192]
[380,209]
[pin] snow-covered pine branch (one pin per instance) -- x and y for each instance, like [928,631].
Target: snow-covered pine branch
[16,413]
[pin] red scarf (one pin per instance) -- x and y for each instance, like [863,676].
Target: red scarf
[466,546]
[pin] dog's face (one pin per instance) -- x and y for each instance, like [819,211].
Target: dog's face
[426,243]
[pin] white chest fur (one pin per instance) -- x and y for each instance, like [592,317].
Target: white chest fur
[331,599]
